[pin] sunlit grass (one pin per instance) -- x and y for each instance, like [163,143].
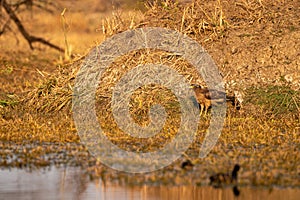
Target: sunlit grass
[263,136]
[277,101]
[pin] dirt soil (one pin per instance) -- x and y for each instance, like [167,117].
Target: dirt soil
[254,43]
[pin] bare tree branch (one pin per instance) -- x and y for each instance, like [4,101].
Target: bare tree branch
[29,38]
[5,26]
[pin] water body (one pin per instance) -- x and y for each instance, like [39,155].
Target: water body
[71,183]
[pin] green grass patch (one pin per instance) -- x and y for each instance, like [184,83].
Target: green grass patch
[8,100]
[276,100]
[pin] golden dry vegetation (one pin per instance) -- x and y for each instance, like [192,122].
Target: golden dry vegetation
[255,44]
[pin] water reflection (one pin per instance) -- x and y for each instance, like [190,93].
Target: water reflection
[71,183]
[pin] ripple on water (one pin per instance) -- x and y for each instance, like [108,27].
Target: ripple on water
[72,183]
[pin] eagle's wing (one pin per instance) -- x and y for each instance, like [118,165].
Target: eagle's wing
[214,95]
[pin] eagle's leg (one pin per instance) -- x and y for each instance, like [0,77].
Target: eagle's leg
[205,110]
[201,109]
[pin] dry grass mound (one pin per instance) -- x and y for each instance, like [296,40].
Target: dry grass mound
[255,45]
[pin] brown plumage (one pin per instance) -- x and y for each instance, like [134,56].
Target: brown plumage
[206,98]
[220,179]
